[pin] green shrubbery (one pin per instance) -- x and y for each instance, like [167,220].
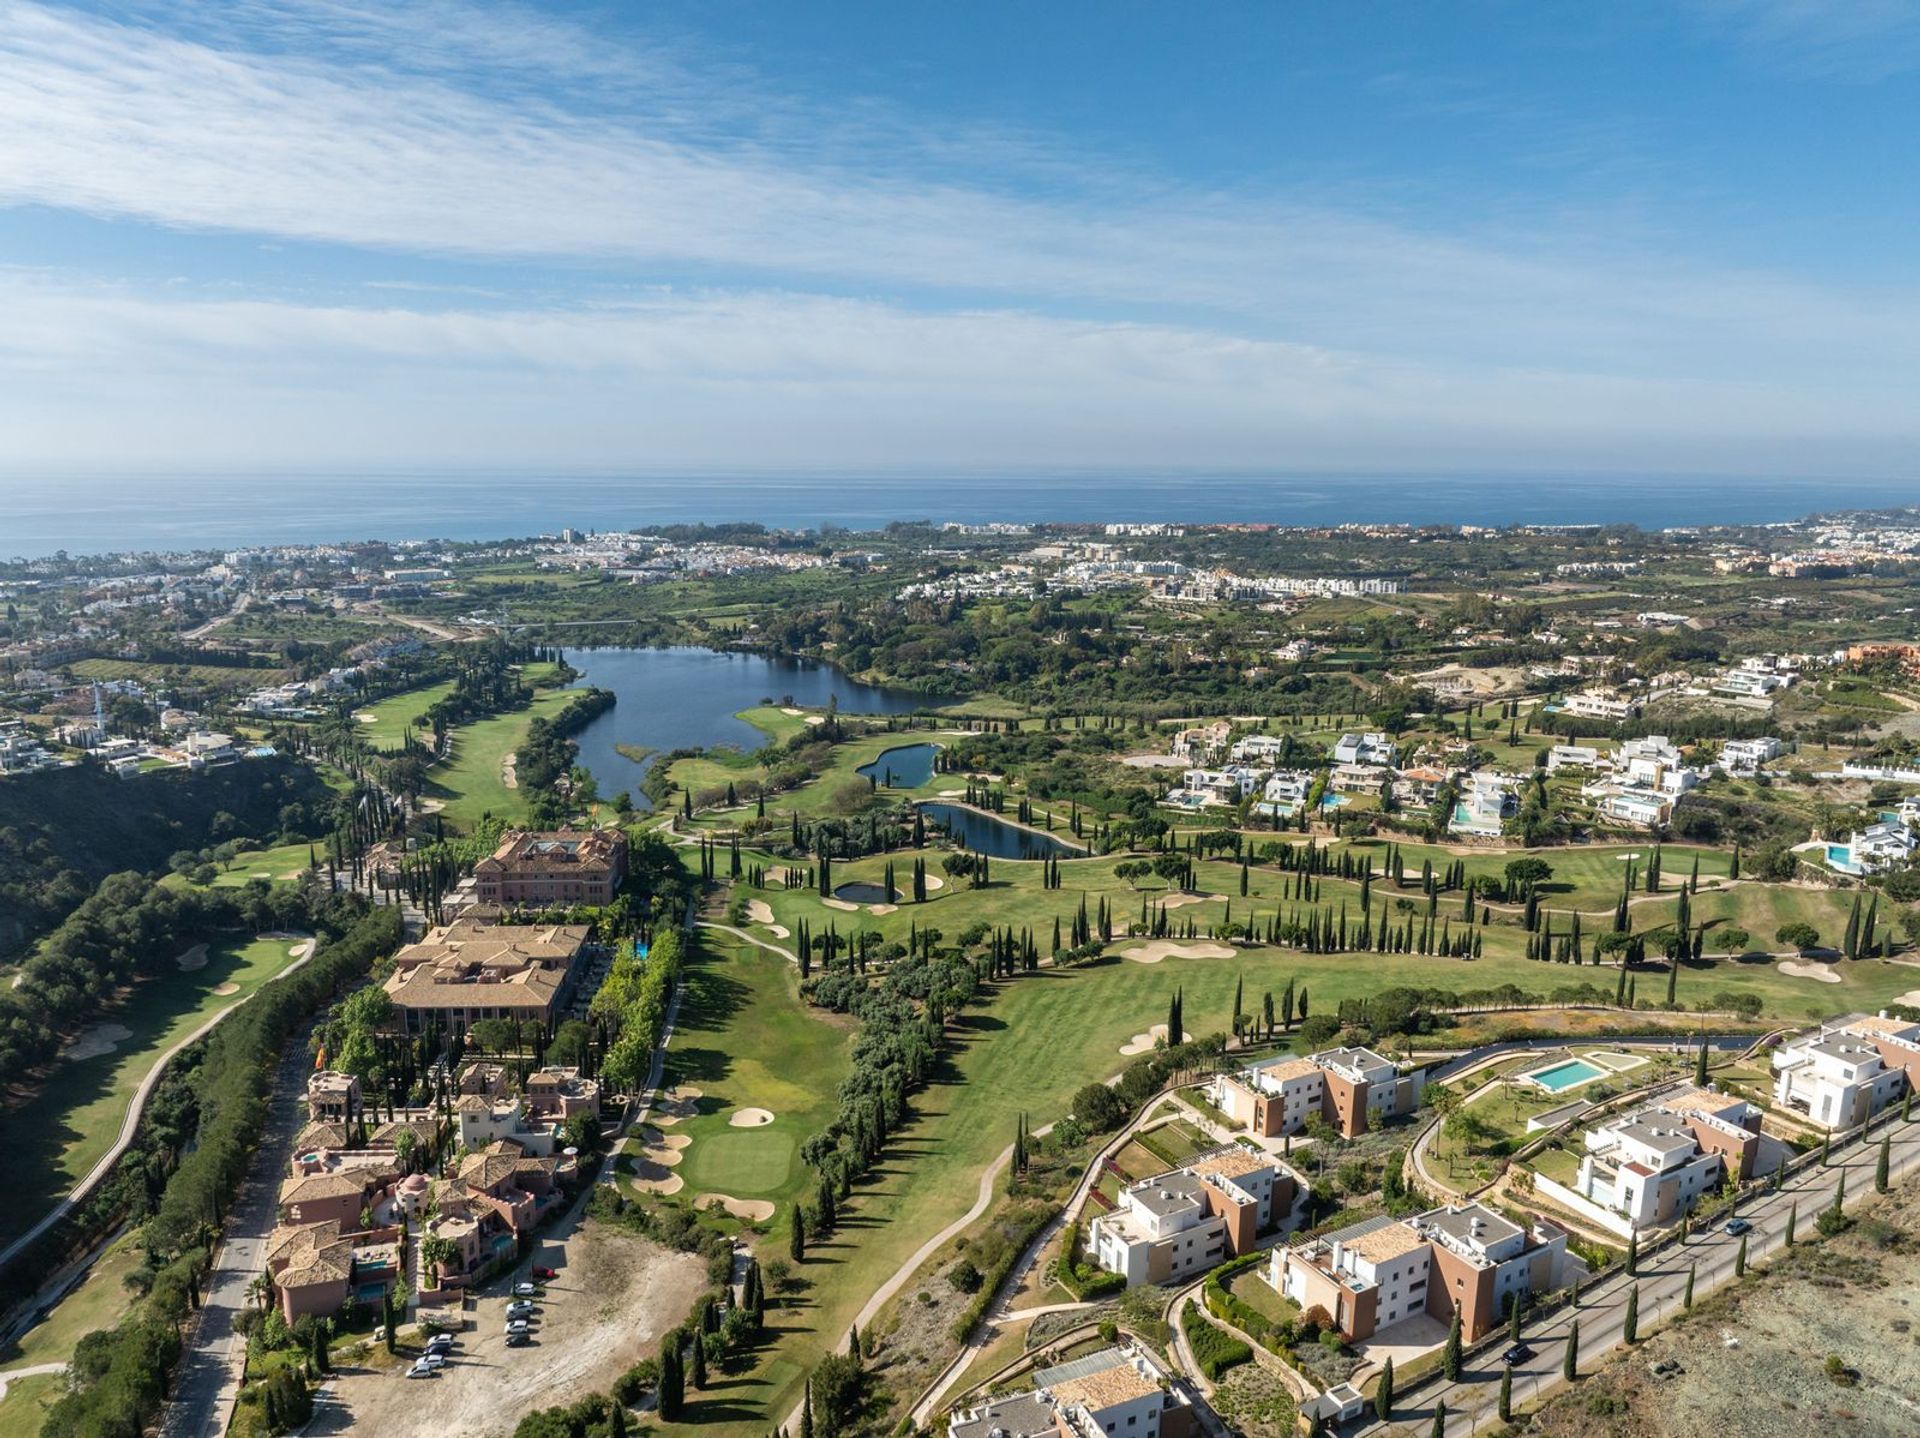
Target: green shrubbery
[1214,1349]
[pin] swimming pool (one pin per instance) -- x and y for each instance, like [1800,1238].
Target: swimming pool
[1562,1076]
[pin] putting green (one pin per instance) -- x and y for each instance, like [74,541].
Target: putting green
[743,1162]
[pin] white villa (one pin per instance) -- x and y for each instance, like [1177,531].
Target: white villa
[1843,1073]
[1364,749]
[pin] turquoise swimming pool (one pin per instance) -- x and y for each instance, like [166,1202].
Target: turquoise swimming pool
[1570,1074]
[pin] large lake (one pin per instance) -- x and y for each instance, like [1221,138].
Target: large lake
[686,697]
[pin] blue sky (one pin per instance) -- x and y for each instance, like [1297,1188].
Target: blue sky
[1534,237]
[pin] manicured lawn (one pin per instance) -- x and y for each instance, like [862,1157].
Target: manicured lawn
[56,1133]
[386,723]
[99,1302]
[745,1040]
[470,782]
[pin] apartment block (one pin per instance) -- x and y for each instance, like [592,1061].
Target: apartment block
[1847,1071]
[1648,1167]
[1118,1392]
[1371,1275]
[1189,1219]
[1353,1089]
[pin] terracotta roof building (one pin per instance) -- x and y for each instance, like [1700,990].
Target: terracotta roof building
[466,971]
[567,867]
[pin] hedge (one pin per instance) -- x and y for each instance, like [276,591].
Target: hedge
[1214,1349]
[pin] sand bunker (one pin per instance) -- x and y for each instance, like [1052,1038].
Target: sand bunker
[758,911]
[749,1118]
[367,718]
[1160,949]
[100,1039]
[816,719]
[1819,972]
[934,881]
[1144,1043]
[226,989]
[1911,996]
[1180,901]
[753,1210]
[676,1104]
[193,958]
[842,905]
[650,1178]
[780,931]
[952,793]
[883,908]
[509,777]
[791,712]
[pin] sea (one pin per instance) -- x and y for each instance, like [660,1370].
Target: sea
[43,514]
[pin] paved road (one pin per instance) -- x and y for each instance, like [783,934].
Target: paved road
[211,1373]
[130,1124]
[1473,1401]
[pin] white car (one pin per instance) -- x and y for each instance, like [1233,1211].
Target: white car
[516,1325]
[435,1361]
[422,1369]
[525,1290]
[519,1308]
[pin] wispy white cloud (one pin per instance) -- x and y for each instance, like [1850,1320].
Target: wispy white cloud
[760,378]
[1852,40]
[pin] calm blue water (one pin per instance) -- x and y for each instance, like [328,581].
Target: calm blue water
[906,767]
[995,837]
[102,513]
[686,697]
[1570,1074]
[863,893]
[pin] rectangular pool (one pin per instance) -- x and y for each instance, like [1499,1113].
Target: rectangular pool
[1570,1074]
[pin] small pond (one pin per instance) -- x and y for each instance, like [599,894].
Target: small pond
[995,837]
[861,893]
[906,766]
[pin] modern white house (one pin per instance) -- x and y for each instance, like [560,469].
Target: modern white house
[1256,748]
[1578,756]
[1600,704]
[1364,749]
[1745,756]
[1875,849]
[1486,802]
[1642,808]
[1647,1167]
[1843,1073]
[1285,792]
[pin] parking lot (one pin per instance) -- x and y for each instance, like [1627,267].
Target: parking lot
[612,1297]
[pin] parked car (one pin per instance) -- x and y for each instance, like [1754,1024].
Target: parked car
[1738,1226]
[518,1338]
[525,1290]
[544,1273]
[436,1360]
[516,1325]
[440,1343]
[1519,1353]
[519,1308]
[420,1369]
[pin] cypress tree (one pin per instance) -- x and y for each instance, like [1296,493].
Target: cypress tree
[1383,1393]
[672,1392]
[1630,1325]
[1439,1429]
[1686,1299]
[1506,1395]
[1881,1168]
[1570,1365]
[1700,1065]
[797,1239]
[1740,1258]
[1450,1357]
[699,1369]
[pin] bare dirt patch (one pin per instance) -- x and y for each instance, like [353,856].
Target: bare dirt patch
[194,958]
[1853,1296]
[751,1210]
[615,1295]
[749,1118]
[98,1040]
[1160,949]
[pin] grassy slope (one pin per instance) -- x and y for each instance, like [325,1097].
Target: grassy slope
[56,1135]
[99,1302]
[393,717]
